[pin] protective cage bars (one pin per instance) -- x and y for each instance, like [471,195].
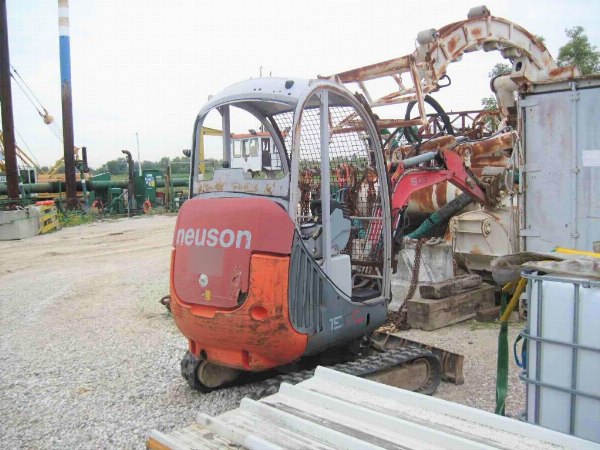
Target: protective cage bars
[353,180]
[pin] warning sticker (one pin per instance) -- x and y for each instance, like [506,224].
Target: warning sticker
[591,158]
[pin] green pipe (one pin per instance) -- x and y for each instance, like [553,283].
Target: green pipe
[55,186]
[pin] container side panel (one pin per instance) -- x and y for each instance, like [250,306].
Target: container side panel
[562,169]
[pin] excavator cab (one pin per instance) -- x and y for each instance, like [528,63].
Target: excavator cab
[270,266]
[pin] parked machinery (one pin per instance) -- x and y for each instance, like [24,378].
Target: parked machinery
[268,271]
[271,269]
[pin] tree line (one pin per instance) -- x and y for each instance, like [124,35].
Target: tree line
[179,165]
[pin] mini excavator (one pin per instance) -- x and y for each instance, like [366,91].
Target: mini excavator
[270,270]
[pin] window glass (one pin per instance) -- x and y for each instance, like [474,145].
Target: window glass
[237,149]
[253,147]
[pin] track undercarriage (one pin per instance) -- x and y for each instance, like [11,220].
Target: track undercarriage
[384,357]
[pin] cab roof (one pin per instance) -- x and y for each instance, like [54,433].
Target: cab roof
[269,95]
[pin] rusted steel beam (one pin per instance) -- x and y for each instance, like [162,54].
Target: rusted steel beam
[378,70]
[428,63]
[493,152]
[395,123]
[10,151]
[381,123]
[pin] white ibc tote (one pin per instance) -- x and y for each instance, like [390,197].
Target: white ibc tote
[563,355]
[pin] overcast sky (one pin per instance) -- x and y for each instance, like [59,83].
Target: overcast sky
[148,66]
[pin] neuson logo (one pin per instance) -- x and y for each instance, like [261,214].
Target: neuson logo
[212,237]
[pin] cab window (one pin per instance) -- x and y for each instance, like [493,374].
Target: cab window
[253,147]
[237,149]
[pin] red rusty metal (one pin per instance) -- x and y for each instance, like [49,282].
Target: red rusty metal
[408,183]
[439,143]
[489,152]
[473,124]
[382,123]
[564,72]
[424,198]
[440,194]
[452,44]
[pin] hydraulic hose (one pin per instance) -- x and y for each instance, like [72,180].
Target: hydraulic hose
[411,135]
[440,216]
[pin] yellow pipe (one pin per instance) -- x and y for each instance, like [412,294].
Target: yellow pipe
[202,166]
[514,300]
[571,251]
[205,131]
[507,287]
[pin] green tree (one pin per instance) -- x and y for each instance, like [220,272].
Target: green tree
[542,39]
[579,52]
[180,165]
[150,165]
[489,103]
[499,69]
[116,166]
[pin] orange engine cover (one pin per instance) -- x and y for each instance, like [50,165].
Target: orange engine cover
[226,250]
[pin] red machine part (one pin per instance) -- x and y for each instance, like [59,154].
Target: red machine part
[405,183]
[229,282]
[214,239]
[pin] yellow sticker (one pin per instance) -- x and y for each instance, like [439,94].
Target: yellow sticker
[207,295]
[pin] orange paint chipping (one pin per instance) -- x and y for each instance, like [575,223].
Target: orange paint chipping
[256,336]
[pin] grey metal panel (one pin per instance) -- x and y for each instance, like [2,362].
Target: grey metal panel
[588,139]
[562,196]
[306,289]
[551,86]
[319,308]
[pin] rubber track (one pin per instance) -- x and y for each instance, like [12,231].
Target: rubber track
[362,368]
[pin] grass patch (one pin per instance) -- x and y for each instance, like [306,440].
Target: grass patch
[74,218]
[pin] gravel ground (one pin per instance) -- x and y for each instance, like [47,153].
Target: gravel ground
[478,342]
[90,359]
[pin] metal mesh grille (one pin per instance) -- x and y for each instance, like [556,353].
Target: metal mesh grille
[353,180]
[284,122]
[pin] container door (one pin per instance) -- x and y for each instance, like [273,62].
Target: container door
[562,170]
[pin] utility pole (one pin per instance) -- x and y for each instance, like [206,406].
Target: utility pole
[138,152]
[8,125]
[67,104]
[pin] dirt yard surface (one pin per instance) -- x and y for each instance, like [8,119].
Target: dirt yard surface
[90,359]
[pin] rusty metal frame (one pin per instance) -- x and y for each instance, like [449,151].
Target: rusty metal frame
[436,49]
[475,124]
